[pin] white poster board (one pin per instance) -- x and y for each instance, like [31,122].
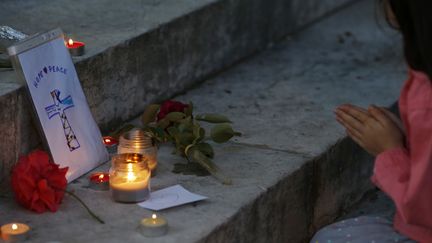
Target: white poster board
[67,124]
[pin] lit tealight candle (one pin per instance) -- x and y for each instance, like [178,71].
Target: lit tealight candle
[76,48]
[110,143]
[14,232]
[99,181]
[154,226]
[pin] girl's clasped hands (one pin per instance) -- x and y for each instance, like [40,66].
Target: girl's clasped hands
[375,129]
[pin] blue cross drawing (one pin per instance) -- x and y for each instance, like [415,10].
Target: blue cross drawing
[58,108]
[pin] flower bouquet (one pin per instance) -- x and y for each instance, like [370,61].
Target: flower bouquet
[173,121]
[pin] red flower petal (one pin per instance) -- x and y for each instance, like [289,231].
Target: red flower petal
[170,106]
[47,195]
[36,204]
[37,183]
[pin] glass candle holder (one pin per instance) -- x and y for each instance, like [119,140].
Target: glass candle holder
[129,178]
[140,142]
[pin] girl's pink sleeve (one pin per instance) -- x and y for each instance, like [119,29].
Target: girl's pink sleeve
[406,176]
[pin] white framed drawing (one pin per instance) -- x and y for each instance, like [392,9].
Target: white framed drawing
[71,134]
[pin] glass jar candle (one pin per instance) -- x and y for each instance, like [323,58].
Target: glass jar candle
[140,142]
[129,178]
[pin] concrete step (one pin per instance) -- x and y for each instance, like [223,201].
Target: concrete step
[292,171]
[142,51]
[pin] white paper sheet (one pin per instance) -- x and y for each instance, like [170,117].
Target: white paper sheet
[170,197]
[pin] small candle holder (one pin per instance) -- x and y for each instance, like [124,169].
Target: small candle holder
[140,142]
[129,178]
[99,181]
[76,48]
[14,232]
[111,144]
[153,227]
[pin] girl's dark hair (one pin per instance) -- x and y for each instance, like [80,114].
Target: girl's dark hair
[414,19]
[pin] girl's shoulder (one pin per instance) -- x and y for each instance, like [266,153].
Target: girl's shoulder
[418,91]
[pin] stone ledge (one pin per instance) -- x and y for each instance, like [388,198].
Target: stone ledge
[145,51]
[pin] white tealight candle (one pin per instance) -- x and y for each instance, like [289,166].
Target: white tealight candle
[154,226]
[14,232]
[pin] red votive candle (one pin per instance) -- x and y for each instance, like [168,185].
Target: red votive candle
[76,48]
[109,141]
[99,181]
[111,144]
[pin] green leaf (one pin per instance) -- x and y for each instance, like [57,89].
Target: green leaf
[185,127]
[185,139]
[206,149]
[149,114]
[186,120]
[173,131]
[213,118]
[164,123]
[175,116]
[158,133]
[199,133]
[197,156]
[188,110]
[221,133]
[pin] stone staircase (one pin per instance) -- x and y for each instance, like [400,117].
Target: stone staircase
[144,51]
[293,170]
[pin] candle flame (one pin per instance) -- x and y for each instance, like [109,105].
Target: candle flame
[70,42]
[108,140]
[14,226]
[130,175]
[101,176]
[154,216]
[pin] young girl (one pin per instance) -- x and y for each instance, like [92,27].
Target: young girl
[403,166]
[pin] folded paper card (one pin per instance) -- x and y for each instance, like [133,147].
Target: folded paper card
[170,197]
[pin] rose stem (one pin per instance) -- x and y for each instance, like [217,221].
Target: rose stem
[85,206]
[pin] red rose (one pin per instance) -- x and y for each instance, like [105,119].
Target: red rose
[170,106]
[38,183]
